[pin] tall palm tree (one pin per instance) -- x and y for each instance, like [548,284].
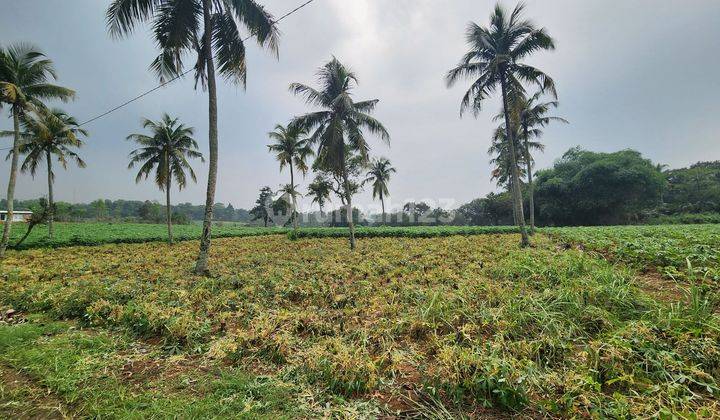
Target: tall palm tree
[379,176]
[25,75]
[291,149]
[51,133]
[166,151]
[210,29]
[532,116]
[320,190]
[494,60]
[337,130]
[500,149]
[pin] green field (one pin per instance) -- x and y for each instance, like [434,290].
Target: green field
[97,233]
[413,326]
[666,248]
[439,326]
[88,234]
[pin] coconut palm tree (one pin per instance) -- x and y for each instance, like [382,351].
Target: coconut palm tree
[500,149]
[532,116]
[337,129]
[494,60]
[25,75]
[211,30]
[39,216]
[320,190]
[166,151]
[51,133]
[291,149]
[379,176]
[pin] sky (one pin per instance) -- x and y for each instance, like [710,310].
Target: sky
[639,74]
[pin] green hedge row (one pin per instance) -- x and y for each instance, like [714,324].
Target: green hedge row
[92,234]
[401,232]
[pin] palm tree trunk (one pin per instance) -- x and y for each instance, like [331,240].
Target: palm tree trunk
[201,267]
[514,209]
[382,204]
[531,187]
[51,200]
[11,182]
[348,206]
[294,201]
[31,226]
[517,196]
[168,212]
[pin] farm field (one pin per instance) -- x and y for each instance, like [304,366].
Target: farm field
[97,233]
[89,234]
[665,248]
[439,327]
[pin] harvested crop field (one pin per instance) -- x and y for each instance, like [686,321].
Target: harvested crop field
[428,327]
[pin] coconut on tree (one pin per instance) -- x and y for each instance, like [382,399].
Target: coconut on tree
[291,149]
[210,30]
[379,177]
[337,129]
[165,151]
[48,134]
[494,61]
[25,82]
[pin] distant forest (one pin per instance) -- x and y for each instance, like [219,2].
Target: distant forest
[581,188]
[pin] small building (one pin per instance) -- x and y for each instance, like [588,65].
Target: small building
[18,215]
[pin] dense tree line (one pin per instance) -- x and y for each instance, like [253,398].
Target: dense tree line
[691,190]
[589,188]
[581,188]
[134,210]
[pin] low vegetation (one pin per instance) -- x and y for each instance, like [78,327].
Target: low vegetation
[462,325]
[668,249]
[87,234]
[402,232]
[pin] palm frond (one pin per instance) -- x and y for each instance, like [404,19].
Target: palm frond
[122,15]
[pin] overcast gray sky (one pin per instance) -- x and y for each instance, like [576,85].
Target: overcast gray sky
[631,74]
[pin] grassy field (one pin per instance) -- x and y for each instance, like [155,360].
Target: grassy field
[89,234]
[97,233]
[667,248]
[438,327]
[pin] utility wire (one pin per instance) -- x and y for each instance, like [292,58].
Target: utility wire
[163,84]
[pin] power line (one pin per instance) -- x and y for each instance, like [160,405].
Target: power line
[163,84]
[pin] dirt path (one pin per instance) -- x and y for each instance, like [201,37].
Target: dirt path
[660,288]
